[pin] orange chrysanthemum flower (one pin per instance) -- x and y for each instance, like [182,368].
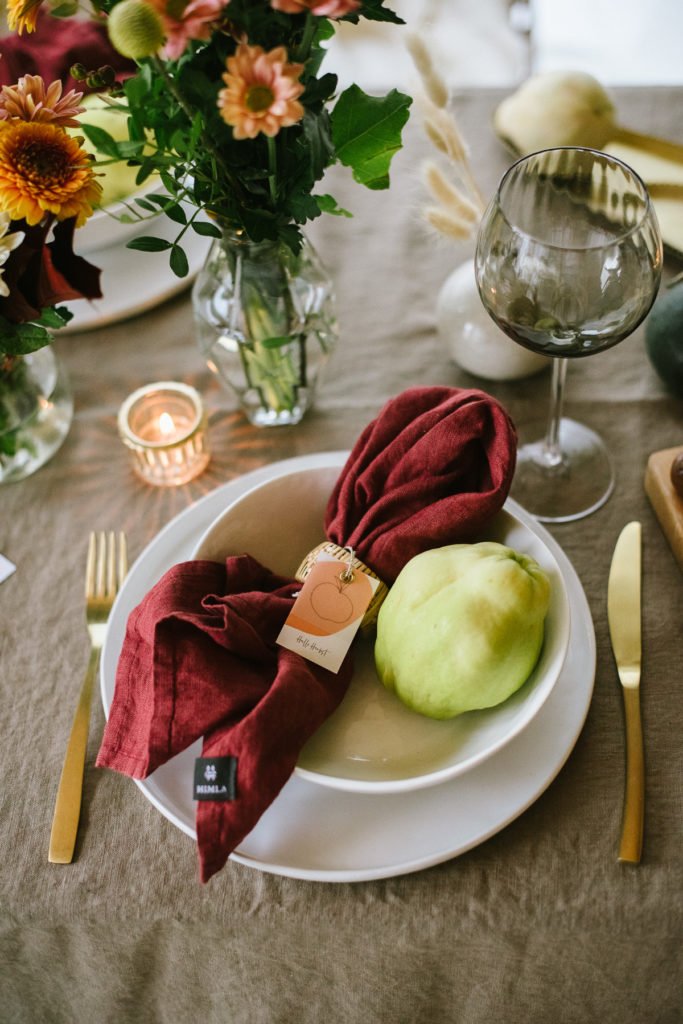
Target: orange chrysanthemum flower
[30,100]
[262,92]
[22,15]
[44,170]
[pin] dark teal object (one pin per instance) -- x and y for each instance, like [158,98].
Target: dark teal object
[664,338]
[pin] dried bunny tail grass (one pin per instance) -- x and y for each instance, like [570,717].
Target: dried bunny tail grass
[434,85]
[444,134]
[451,197]
[448,223]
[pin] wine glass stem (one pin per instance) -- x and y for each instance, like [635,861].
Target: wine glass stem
[552,452]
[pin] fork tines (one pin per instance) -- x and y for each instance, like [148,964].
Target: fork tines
[107,564]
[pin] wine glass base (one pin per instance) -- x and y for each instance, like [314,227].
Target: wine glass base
[580,483]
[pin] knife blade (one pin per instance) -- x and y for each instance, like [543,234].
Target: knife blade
[624,618]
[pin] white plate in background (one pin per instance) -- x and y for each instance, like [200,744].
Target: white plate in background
[133,282]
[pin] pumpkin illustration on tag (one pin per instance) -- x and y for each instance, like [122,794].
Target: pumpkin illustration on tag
[330,603]
[331,599]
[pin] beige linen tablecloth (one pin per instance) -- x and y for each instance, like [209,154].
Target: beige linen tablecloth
[538,924]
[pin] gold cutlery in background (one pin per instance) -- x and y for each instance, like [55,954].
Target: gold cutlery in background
[106,567]
[624,617]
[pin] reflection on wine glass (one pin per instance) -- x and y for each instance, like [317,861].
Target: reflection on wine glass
[568,263]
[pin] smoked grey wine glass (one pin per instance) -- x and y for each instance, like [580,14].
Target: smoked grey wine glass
[568,263]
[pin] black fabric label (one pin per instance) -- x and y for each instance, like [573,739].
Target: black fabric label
[214,778]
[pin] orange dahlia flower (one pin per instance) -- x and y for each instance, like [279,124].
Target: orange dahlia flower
[262,92]
[44,170]
[22,15]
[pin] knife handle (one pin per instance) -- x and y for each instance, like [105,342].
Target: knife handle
[631,844]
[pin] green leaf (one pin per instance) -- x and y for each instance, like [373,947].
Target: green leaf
[160,201]
[168,181]
[66,10]
[129,148]
[147,243]
[53,317]
[20,339]
[101,140]
[9,442]
[374,10]
[146,168]
[64,313]
[324,30]
[291,236]
[319,89]
[178,262]
[146,205]
[276,342]
[175,213]
[202,227]
[319,145]
[137,87]
[304,207]
[328,204]
[366,131]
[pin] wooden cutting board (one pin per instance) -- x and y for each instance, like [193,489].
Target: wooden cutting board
[668,505]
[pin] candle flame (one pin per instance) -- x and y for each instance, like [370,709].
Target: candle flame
[166,424]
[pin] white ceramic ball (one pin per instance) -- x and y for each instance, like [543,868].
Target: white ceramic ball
[472,338]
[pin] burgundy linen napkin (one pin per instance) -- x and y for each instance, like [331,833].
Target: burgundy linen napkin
[434,467]
[199,656]
[200,659]
[54,47]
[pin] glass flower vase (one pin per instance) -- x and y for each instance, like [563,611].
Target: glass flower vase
[36,409]
[265,323]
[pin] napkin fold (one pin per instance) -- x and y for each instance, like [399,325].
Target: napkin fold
[432,469]
[200,657]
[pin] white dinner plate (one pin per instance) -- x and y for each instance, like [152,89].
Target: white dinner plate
[133,282]
[323,834]
[372,743]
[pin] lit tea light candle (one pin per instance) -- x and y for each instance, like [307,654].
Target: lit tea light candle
[164,426]
[167,426]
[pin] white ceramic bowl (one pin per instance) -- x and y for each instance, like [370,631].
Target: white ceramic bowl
[373,743]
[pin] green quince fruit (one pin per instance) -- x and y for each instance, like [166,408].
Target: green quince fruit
[462,628]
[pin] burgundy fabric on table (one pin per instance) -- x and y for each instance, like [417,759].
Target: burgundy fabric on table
[55,47]
[199,657]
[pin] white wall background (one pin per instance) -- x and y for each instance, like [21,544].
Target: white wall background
[500,42]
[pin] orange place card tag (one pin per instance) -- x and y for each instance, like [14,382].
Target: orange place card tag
[327,613]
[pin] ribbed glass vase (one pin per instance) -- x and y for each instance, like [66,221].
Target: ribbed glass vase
[266,325]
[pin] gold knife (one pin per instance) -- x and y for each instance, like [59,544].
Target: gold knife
[624,617]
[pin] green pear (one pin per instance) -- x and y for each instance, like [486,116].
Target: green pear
[556,108]
[462,628]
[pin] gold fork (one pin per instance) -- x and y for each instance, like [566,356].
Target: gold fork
[105,569]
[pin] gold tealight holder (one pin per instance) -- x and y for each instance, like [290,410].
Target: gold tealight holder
[164,426]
